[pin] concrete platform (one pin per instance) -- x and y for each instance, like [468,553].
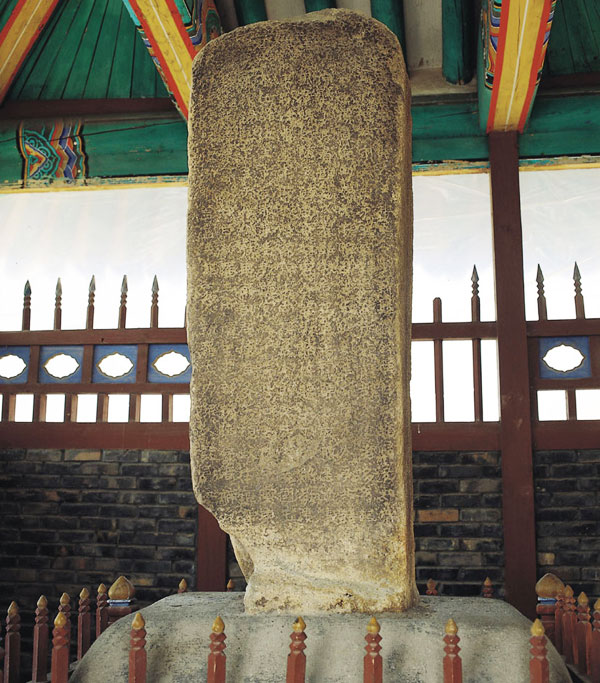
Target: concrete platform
[494,641]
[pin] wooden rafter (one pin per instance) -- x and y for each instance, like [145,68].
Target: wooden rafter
[173,37]
[515,38]
[18,36]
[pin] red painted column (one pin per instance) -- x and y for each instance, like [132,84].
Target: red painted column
[211,556]
[515,409]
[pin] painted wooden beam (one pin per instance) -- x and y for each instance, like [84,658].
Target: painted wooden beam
[18,36]
[173,37]
[515,36]
[459,30]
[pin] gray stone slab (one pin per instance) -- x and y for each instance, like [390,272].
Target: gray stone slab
[494,641]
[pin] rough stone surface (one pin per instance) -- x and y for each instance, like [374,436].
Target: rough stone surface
[494,643]
[299,290]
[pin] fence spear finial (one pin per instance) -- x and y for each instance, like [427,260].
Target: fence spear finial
[27,289]
[123,306]
[154,305]
[541,297]
[57,305]
[26,319]
[579,305]
[92,287]
[89,323]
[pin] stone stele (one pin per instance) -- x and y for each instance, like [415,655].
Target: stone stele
[299,260]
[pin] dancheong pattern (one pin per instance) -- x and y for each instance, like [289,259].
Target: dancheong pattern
[52,150]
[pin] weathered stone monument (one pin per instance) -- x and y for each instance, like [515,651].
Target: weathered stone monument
[299,262]
[298,315]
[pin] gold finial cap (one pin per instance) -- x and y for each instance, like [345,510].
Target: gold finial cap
[42,603]
[597,605]
[373,626]
[549,586]
[138,621]
[537,628]
[183,585]
[218,625]
[488,581]
[13,609]
[568,592]
[65,599]
[122,589]
[451,627]
[85,594]
[583,600]
[299,625]
[61,620]
[101,589]
[230,585]
[431,584]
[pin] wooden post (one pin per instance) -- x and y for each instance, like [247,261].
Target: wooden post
[123,305]
[183,587]
[541,297]
[539,671]
[58,305]
[89,319]
[515,421]
[548,588]
[595,645]
[476,347]
[568,625]
[154,305]
[488,588]
[216,658]
[26,318]
[41,632]
[64,606]
[438,364]
[296,661]
[579,304]
[452,661]
[83,624]
[101,610]
[60,649]
[559,612]
[211,563]
[373,663]
[137,650]
[583,635]
[12,645]
[431,587]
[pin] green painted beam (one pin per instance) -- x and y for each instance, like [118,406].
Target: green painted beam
[11,163]
[250,11]
[316,5]
[390,13]
[459,37]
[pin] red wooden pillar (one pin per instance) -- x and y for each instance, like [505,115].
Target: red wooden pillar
[211,559]
[60,649]
[41,632]
[539,671]
[216,659]
[84,624]
[452,662]
[137,650]
[296,661]
[515,409]
[373,662]
[12,645]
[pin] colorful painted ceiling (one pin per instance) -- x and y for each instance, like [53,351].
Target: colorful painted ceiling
[116,73]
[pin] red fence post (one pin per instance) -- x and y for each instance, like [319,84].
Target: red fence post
[488,588]
[60,649]
[583,635]
[296,661]
[548,588]
[568,625]
[373,663]
[137,650]
[41,631]
[595,645]
[83,624]
[539,671]
[452,661]
[216,658]
[12,645]
[559,612]
[101,610]
[431,587]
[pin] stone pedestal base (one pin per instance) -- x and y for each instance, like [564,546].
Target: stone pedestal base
[494,643]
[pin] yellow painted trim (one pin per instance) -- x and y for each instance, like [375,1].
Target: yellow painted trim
[524,18]
[17,39]
[178,60]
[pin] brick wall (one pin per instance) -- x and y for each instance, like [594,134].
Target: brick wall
[567,500]
[78,518]
[458,521]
